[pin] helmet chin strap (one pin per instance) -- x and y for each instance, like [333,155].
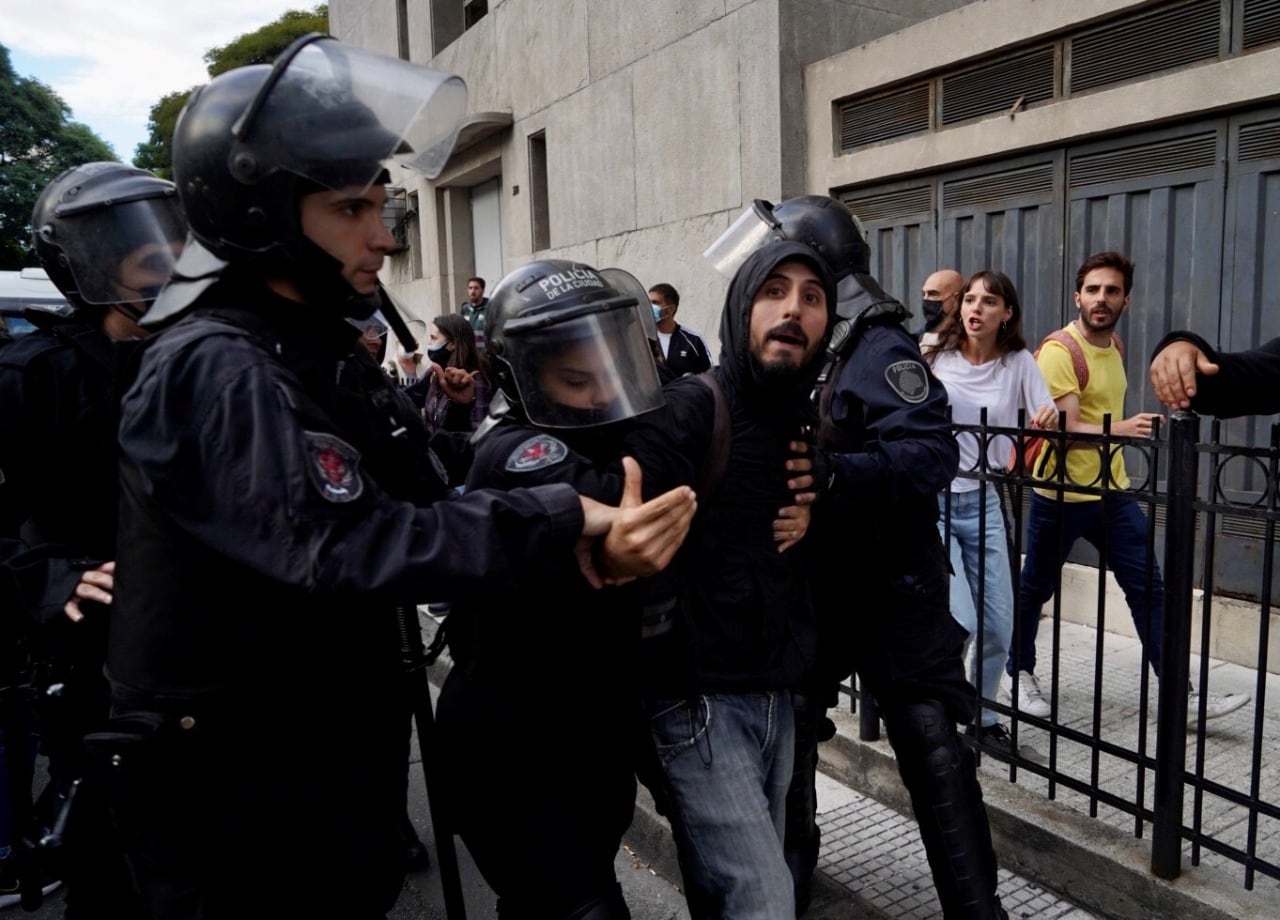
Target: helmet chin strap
[130,310]
[318,277]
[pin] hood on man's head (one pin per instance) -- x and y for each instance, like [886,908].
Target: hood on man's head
[735,321]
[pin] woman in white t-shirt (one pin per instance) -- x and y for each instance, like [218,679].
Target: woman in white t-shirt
[984,363]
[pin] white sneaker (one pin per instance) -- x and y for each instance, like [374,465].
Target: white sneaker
[1215,707]
[1030,698]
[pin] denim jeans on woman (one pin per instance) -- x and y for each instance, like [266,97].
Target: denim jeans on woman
[726,761]
[979,549]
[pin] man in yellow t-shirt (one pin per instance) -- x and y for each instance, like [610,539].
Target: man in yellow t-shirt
[1112,521]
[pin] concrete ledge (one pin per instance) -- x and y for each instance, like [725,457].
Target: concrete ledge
[1236,623]
[1086,861]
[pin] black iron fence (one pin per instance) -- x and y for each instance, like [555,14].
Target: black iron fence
[1146,754]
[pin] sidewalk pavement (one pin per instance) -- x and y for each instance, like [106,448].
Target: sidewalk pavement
[1088,851]
[1063,858]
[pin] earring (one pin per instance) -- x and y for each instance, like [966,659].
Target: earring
[1003,325]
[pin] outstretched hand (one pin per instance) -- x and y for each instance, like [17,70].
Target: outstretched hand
[639,537]
[1173,373]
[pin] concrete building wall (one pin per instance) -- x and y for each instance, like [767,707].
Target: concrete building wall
[983,29]
[662,120]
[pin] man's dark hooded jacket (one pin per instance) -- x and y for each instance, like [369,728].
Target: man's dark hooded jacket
[745,620]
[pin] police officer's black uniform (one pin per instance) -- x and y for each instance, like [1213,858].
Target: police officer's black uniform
[881,573]
[534,716]
[256,588]
[57,454]
[273,517]
[550,767]
[1245,383]
[105,234]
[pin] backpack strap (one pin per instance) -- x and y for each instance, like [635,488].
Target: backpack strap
[1078,362]
[711,471]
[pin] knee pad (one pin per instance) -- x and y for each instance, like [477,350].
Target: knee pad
[940,774]
[921,730]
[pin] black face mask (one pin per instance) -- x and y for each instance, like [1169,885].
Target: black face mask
[932,314]
[440,354]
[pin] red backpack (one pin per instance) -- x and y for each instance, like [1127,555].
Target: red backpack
[1033,447]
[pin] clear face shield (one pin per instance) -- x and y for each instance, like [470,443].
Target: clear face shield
[339,115]
[585,366]
[123,253]
[752,229]
[629,285]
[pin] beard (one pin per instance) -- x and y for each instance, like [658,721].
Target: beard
[775,372]
[1086,319]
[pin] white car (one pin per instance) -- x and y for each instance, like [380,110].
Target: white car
[29,287]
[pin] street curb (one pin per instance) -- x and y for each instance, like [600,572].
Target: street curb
[1084,860]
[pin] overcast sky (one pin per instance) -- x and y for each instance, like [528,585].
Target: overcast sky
[111,60]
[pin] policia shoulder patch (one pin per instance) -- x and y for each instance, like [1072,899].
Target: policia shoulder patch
[539,451]
[333,466]
[909,380]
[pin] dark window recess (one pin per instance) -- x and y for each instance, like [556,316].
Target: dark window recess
[539,201]
[881,118]
[473,11]
[996,87]
[1260,141]
[1197,152]
[894,205]
[1132,46]
[396,215]
[998,187]
[1261,24]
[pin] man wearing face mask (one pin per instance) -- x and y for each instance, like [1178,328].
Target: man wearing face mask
[683,349]
[107,235]
[941,292]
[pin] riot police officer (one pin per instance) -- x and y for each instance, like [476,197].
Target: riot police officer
[573,369]
[274,514]
[879,569]
[107,235]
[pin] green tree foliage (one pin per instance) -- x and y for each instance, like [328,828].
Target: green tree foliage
[37,142]
[262,45]
[258,47]
[155,153]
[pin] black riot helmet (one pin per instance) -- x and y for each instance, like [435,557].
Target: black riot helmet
[253,141]
[818,221]
[250,142]
[107,233]
[569,347]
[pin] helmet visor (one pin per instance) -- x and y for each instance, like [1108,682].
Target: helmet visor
[753,228]
[124,253]
[582,367]
[339,115]
[629,285]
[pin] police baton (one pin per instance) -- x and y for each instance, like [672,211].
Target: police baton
[416,659]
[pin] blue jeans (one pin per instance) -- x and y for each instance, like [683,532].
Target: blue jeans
[1119,520]
[979,548]
[726,761]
